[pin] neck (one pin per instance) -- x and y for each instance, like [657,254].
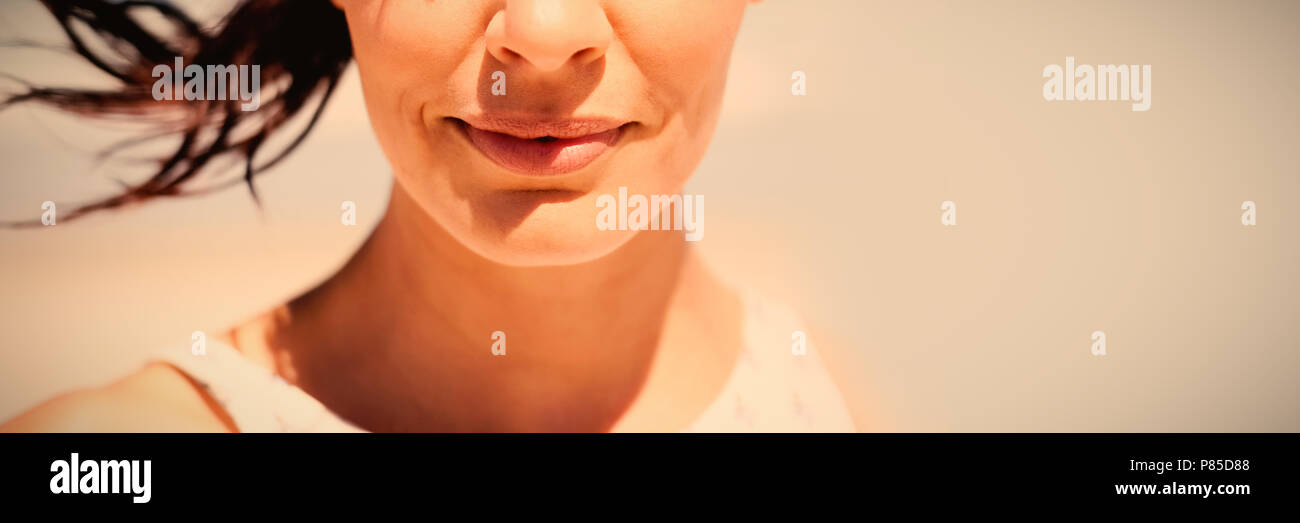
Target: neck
[414,298]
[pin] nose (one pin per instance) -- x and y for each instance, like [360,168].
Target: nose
[548,34]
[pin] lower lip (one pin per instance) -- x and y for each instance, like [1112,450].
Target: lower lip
[535,158]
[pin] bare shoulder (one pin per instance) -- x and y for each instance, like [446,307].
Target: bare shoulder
[156,398]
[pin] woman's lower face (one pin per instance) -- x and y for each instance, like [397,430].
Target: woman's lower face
[508,121]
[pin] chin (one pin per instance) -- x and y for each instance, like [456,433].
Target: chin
[528,248]
[549,235]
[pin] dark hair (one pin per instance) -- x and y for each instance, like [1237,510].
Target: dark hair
[301,46]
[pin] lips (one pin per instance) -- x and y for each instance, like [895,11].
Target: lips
[542,147]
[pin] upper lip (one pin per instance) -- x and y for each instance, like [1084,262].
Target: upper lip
[530,128]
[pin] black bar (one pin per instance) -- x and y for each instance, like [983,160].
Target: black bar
[323,471]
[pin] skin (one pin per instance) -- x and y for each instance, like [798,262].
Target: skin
[607,330]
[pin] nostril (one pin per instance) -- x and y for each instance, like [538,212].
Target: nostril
[509,55]
[587,55]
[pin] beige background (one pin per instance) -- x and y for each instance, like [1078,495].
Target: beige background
[1072,217]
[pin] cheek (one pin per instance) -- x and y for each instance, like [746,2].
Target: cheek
[684,62]
[411,57]
[681,48]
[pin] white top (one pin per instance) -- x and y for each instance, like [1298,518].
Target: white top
[772,387]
